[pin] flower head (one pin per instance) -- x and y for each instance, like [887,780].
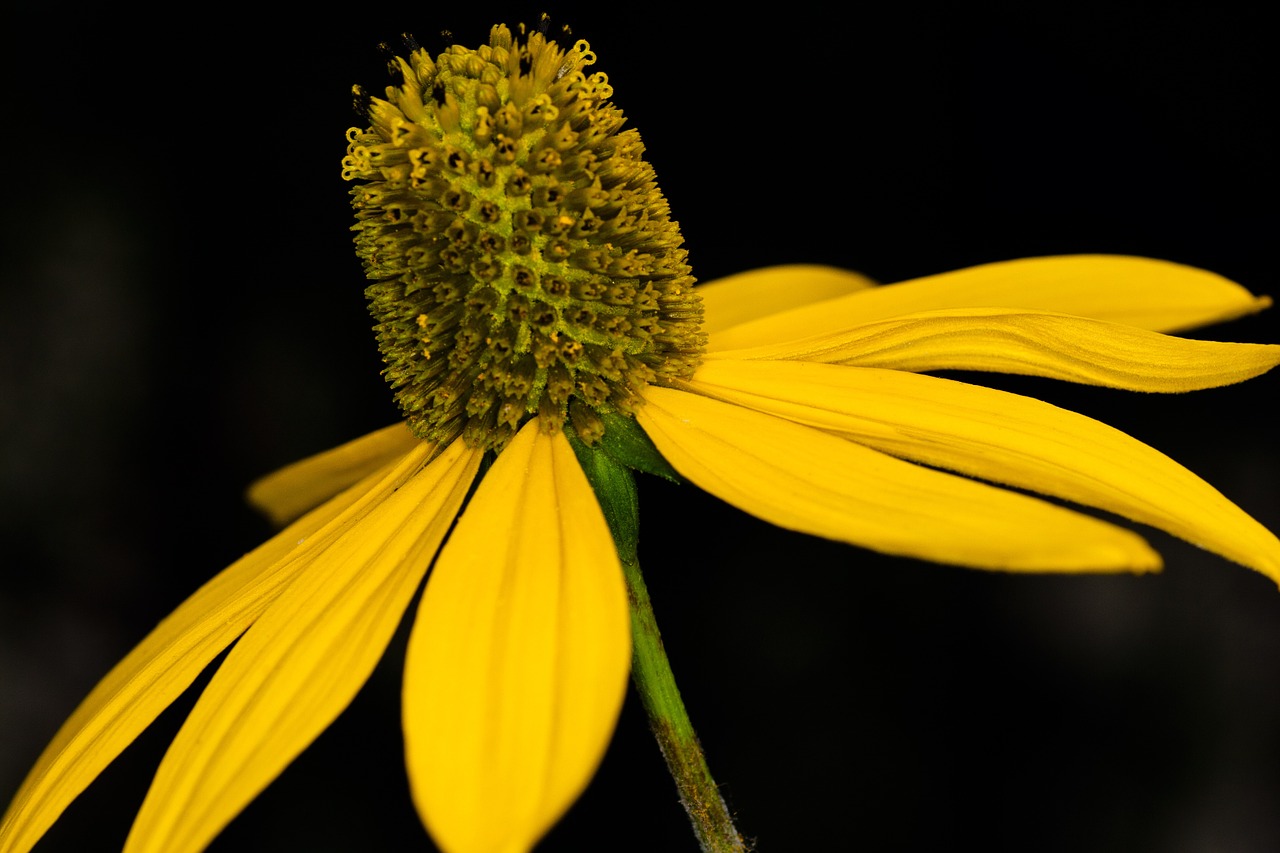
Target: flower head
[524,263]
[536,314]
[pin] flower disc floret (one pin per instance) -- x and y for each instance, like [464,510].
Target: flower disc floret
[522,260]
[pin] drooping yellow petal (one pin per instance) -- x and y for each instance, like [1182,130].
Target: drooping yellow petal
[1156,295]
[749,295]
[168,660]
[1006,438]
[1035,343]
[285,494]
[302,662]
[804,479]
[518,659]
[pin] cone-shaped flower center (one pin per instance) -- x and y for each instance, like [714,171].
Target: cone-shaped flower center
[522,260]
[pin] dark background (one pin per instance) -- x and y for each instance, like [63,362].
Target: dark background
[181,311]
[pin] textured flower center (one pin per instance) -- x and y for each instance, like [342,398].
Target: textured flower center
[522,261]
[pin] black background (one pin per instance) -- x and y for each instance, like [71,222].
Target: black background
[181,311]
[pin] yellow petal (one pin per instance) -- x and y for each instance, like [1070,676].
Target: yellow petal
[168,660]
[518,659]
[1156,295]
[302,662]
[285,494]
[1035,343]
[758,293]
[808,480]
[1002,437]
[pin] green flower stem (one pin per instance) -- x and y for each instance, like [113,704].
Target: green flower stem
[608,468]
[656,684]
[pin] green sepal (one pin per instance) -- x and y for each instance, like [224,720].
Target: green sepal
[615,490]
[627,443]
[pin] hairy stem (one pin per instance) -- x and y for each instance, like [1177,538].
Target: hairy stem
[651,672]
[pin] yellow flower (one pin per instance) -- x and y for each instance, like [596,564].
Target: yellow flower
[530,290]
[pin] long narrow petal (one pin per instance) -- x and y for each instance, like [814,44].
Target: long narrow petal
[1006,438]
[804,479]
[1156,295]
[302,662]
[168,660]
[518,659]
[1034,343]
[750,295]
[285,494]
